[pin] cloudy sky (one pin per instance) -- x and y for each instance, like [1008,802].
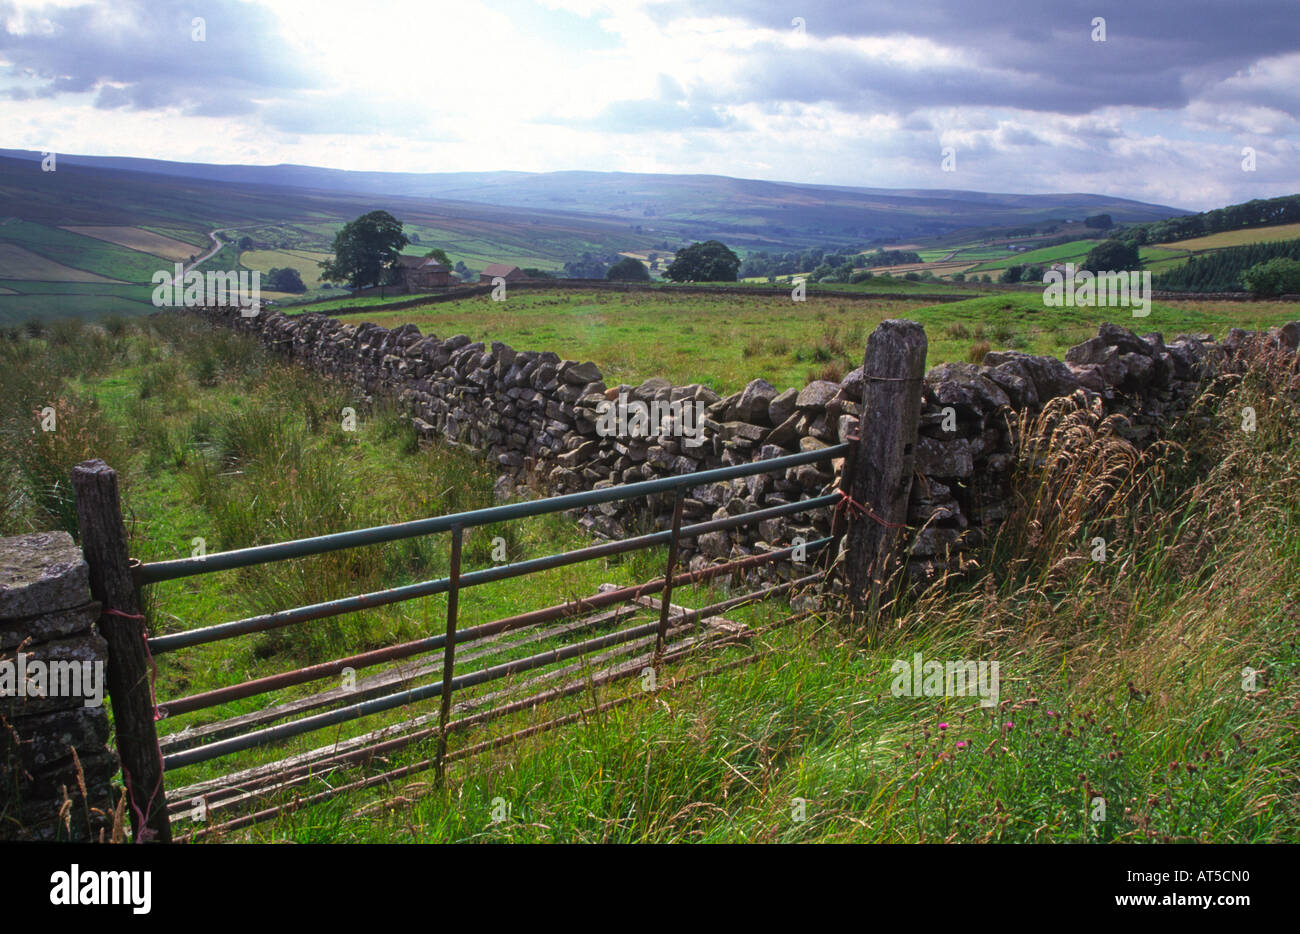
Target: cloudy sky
[851,92]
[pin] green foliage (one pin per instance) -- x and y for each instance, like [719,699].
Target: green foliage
[710,261]
[1224,270]
[1256,213]
[365,250]
[884,257]
[1112,256]
[287,279]
[628,269]
[590,266]
[1279,276]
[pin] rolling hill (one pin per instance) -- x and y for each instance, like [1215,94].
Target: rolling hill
[85,239]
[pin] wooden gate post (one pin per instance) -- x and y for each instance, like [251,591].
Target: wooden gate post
[449,646]
[103,541]
[893,368]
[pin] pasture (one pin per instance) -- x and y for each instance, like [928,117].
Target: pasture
[725,341]
[18,263]
[1238,237]
[305,261]
[136,238]
[1123,677]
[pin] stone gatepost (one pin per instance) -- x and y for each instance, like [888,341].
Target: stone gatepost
[55,768]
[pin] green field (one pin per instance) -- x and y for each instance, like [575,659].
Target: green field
[725,341]
[305,261]
[1238,237]
[1121,680]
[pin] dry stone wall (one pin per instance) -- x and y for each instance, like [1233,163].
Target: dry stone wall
[537,416]
[56,769]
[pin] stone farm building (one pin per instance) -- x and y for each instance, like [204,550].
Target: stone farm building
[509,273]
[420,273]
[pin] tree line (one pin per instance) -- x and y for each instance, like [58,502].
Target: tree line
[1257,213]
[1225,270]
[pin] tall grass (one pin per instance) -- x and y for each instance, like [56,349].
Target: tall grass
[1125,713]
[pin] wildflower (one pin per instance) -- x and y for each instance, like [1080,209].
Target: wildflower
[961,744]
[943,726]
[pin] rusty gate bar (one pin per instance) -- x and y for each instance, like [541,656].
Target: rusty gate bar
[363,754]
[399,699]
[449,652]
[178,640]
[433,643]
[156,571]
[666,598]
[412,695]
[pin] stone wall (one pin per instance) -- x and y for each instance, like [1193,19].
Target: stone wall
[536,416]
[56,766]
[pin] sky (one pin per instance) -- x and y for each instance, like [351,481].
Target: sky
[1180,102]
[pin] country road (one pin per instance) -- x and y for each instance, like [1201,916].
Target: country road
[216,246]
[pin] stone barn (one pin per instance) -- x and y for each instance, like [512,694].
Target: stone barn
[507,272]
[420,273]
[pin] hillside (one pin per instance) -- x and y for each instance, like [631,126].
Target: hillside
[752,212]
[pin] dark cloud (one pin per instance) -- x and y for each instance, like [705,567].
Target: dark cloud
[141,54]
[1022,53]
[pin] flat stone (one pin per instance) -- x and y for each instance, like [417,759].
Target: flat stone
[754,400]
[936,458]
[48,626]
[817,394]
[41,572]
[782,406]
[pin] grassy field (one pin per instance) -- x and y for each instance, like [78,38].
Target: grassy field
[1238,237]
[725,341]
[305,261]
[19,263]
[137,238]
[1121,681]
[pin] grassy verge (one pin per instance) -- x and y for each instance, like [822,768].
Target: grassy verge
[1155,690]
[727,340]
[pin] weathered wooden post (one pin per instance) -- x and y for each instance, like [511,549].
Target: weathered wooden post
[449,647]
[103,542]
[666,596]
[892,369]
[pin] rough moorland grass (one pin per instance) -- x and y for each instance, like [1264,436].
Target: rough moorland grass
[220,447]
[1122,680]
[725,341]
[1125,712]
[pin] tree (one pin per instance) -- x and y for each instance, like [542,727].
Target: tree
[436,253]
[1113,256]
[365,249]
[1011,274]
[1099,221]
[628,270]
[587,266]
[1280,276]
[245,243]
[710,261]
[285,280]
